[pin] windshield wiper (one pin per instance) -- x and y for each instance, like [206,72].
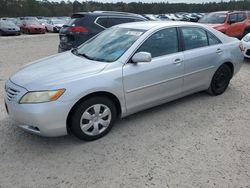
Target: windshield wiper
[75,51]
[86,56]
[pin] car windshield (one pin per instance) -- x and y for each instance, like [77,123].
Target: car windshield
[32,22]
[215,18]
[110,45]
[58,21]
[7,24]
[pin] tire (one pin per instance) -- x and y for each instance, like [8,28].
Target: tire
[220,80]
[86,122]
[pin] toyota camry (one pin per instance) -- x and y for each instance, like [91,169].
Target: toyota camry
[123,70]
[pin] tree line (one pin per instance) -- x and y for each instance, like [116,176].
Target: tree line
[15,8]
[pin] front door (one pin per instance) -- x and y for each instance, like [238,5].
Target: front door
[147,84]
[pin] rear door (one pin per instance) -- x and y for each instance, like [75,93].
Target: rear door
[202,51]
[237,28]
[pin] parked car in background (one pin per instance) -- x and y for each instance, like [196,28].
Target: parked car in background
[54,25]
[123,70]
[32,27]
[9,28]
[151,17]
[246,44]
[85,25]
[13,20]
[234,24]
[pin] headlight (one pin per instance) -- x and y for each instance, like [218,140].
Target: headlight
[41,96]
[246,38]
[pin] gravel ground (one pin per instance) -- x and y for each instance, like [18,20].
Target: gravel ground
[197,141]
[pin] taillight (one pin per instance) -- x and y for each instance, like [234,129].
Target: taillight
[242,48]
[78,29]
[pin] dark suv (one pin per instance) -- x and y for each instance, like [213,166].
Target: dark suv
[84,25]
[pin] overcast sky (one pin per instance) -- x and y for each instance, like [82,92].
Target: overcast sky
[150,1]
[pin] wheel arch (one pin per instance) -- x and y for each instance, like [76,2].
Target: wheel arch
[231,66]
[109,95]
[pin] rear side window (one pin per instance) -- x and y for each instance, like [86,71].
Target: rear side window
[102,22]
[120,20]
[241,17]
[194,38]
[212,39]
[161,43]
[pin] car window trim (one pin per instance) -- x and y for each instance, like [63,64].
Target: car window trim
[129,60]
[129,17]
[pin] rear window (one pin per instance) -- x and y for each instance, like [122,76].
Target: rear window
[75,20]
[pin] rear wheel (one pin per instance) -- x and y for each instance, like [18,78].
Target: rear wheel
[93,118]
[220,80]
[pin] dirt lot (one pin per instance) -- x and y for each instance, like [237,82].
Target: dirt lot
[197,141]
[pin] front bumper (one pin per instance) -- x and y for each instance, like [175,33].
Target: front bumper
[11,32]
[37,30]
[45,119]
[247,49]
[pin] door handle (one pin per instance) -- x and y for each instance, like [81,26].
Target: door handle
[218,51]
[177,61]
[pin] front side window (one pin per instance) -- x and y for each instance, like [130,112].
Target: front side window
[109,45]
[233,18]
[194,38]
[161,43]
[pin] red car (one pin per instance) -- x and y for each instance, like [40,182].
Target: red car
[231,23]
[32,27]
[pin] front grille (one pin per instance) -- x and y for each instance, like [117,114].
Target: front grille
[248,52]
[11,93]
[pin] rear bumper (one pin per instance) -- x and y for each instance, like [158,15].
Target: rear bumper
[69,41]
[60,49]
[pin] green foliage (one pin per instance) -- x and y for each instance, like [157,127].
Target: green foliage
[13,8]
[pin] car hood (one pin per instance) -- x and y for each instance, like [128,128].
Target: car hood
[58,25]
[56,70]
[35,26]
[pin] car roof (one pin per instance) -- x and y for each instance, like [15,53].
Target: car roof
[110,13]
[156,24]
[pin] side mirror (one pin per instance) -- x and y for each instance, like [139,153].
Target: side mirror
[142,57]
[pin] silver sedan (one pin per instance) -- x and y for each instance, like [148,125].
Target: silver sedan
[123,70]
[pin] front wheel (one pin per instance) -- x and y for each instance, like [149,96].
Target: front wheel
[93,118]
[220,80]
